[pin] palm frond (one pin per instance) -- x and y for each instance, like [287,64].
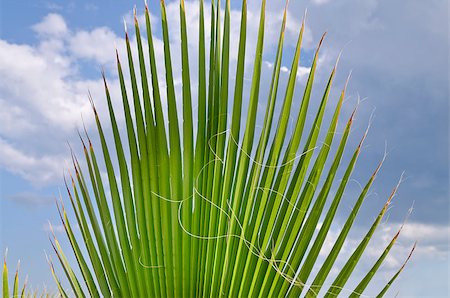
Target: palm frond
[203,208]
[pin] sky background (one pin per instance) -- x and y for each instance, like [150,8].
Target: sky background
[51,54]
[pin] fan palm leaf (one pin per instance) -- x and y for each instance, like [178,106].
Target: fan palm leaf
[207,208]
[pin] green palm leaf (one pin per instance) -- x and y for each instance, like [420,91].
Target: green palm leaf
[213,209]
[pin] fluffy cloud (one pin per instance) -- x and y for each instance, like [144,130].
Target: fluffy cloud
[43,93]
[53,25]
[91,44]
[39,81]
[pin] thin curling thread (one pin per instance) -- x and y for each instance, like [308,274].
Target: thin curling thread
[148,266]
[283,197]
[249,156]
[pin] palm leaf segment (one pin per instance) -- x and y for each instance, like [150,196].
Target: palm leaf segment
[232,213]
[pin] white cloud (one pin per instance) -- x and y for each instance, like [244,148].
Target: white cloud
[426,232]
[91,45]
[303,71]
[15,122]
[41,84]
[53,25]
[39,170]
[432,239]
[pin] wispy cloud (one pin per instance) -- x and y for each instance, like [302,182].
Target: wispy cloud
[38,170]
[30,199]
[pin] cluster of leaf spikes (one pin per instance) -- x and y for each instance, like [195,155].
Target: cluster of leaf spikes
[14,289]
[222,208]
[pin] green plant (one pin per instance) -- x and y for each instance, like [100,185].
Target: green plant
[5,282]
[17,290]
[232,213]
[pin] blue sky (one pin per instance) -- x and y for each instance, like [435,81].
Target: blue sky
[51,53]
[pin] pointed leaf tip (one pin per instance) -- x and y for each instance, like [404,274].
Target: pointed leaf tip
[286,7]
[86,133]
[348,80]
[51,229]
[5,255]
[81,139]
[104,80]
[337,60]
[117,55]
[92,103]
[366,132]
[125,29]
[322,38]
[409,256]
[136,22]
[320,45]
[394,191]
